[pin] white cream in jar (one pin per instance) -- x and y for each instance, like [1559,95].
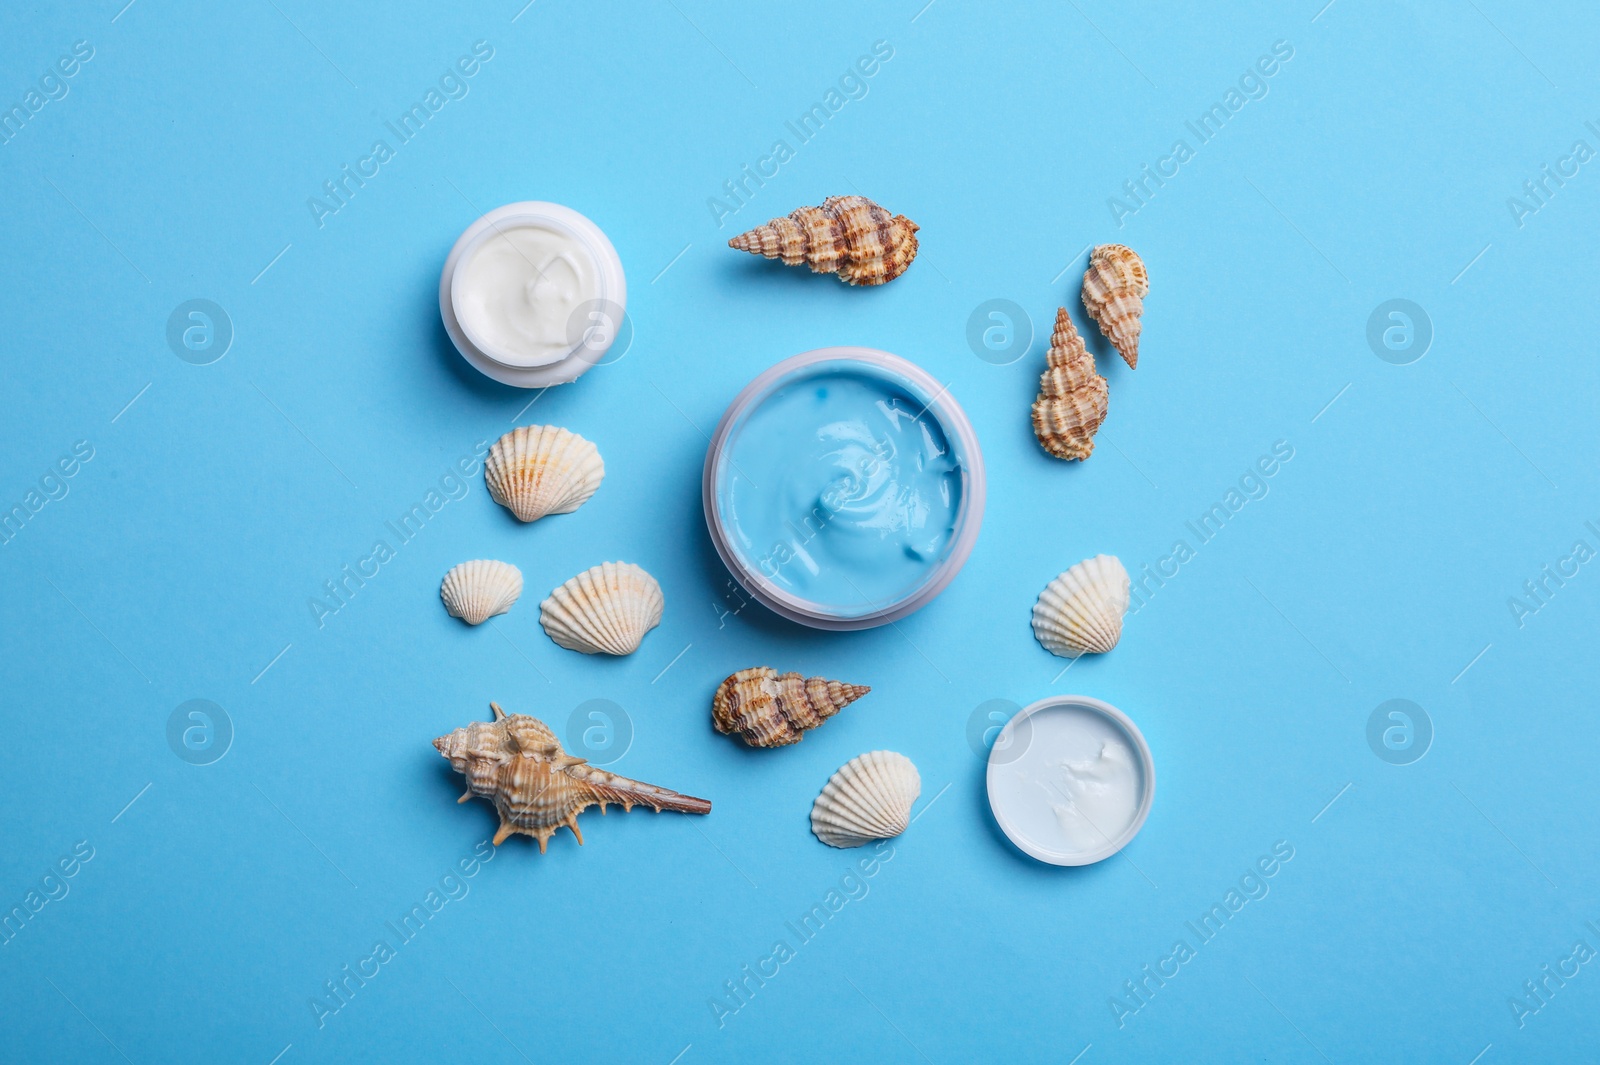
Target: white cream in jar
[533,294]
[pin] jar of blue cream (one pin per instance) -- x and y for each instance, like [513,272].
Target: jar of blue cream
[844,488]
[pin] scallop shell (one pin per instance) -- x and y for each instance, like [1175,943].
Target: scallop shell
[1114,288]
[768,710]
[536,470]
[848,235]
[1072,396]
[478,590]
[606,609]
[1080,612]
[517,764]
[869,798]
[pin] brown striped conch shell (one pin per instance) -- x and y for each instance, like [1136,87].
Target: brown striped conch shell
[1072,396]
[536,470]
[1114,288]
[848,235]
[768,710]
[517,764]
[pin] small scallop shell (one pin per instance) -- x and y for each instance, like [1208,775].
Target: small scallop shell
[478,590]
[1080,612]
[869,798]
[606,609]
[768,710]
[536,470]
[1114,288]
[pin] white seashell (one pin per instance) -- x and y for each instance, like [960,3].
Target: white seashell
[604,610]
[536,470]
[478,590]
[1081,610]
[869,798]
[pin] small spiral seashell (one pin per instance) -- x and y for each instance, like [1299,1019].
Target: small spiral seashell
[1114,288]
[606,609]
[768,710]
[869,797]
[517,763]
[478,590]
[848,235]
[536,470]
[1072,395]
[1080,612]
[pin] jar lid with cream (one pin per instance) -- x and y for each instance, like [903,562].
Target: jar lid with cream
[533,294]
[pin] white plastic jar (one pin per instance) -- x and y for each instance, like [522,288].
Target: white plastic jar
[533,294]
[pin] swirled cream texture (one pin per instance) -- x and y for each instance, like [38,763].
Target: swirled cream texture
[841,488]
[517,292]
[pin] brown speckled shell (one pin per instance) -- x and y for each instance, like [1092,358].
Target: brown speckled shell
[1114,288]
[1072,395]
[517,764]
[848,235]
[768,710]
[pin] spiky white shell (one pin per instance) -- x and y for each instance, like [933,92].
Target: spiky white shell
[1080,612]
[606,609]
[478,590]
[869,798]
[536,470]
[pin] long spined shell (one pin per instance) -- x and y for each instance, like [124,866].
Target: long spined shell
[848,235]
[536,470]
[478,590]
[1072,395]
[869,797]
[1114,288]
[606,609]
[517,764]
[768,710]
[1080,612]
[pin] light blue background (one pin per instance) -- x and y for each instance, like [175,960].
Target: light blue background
[1379,566]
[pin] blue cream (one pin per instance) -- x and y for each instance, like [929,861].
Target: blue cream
[841,488]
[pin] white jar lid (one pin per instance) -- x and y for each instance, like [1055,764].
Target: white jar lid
[1047,741]
[596,325]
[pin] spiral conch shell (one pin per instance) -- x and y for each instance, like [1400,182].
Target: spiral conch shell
[606,609]
[768,710]
[848,235]
[1072,396]
[536,470]
[1080,612]
[478,590]
[517,764]
[868,798]
[1114,288]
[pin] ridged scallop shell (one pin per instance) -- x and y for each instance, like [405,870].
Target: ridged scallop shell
[478,590]
[536,470]
[517,764]
[606,609]
[768,710]
[848,235]
[1072,395]
[870,797]
[1114,288]
[1080,612]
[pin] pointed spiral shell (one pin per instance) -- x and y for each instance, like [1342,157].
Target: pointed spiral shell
[1072,395]
[768,710]
[1114,288]
[848,235]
